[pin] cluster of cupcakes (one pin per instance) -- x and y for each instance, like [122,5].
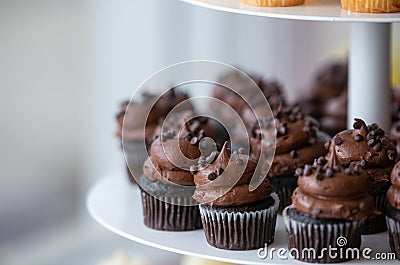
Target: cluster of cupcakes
[193,178]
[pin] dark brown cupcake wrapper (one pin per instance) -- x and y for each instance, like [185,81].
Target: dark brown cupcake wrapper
[134,159]
[284,186]
[240,230]
[377,223]
[394,235]
[161,215]
[317,236]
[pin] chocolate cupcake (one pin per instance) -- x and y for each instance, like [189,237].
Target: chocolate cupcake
[298,142]
[245,89]
[139,121]
[167,185]
[372,149]
[234,217]
[330,82]
[395,134]
[330,206]
[334,117]
[393,211]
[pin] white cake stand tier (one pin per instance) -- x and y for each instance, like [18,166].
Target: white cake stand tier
[116,204]
[369,78]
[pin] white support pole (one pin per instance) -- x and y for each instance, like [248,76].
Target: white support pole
[369,74]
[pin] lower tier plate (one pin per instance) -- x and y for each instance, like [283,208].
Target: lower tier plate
[116,204]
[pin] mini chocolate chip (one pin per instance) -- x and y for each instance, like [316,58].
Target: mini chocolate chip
[348,171]
[346,164]
[374,126]
[293,154]
[298,172]
[321,161]
[212,176]
[370,137]
[319,176]
[336,168]
[327,144]
[201,133]
[338,141]
[371,142]
[377,147]
[363,163]
[385,141]
[193,169]
[329,172]
[357,124]
[194,141]
[358,138]
[241,151]
[380,131]
[282,130]
[220,170]
[307,170]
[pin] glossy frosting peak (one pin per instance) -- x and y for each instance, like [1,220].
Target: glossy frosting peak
[369,145]
[239,194]
[327,190]
[298,140]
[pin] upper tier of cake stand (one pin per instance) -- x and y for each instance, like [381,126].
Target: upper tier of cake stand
[312,10]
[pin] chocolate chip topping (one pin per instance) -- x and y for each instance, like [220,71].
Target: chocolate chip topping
[212,176]
[337,141]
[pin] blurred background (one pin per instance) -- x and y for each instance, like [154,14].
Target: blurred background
[64,68]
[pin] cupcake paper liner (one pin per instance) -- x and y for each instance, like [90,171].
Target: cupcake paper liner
[271,3]
[284,186]
[161,215]
[394,235]
[377,223]
[319,235]
[240,230]
[371,6]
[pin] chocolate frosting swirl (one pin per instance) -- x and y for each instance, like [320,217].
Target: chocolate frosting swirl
[141,119]
[173,153]
[395,134]
[237,195]
[368,145]
[393,194]
[327,190]
[298,140]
